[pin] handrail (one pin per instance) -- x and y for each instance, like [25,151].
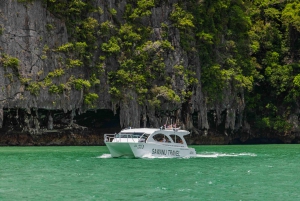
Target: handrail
[111,137]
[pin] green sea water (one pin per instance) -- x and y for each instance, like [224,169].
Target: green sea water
[251,172]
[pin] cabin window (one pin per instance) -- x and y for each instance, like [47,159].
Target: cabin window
[129,135]
[144,138]
[137,135]
[124,136]
[161,138]
[176,139]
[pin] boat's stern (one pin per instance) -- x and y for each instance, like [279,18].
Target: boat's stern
[119,149]
[119,145]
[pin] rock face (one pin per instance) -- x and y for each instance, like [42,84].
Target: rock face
[32,34]
[26,36]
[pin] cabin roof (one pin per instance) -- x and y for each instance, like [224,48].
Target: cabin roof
[140,130]
[152,130]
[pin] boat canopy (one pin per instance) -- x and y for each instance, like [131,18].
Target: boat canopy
[155,130]
[154,135]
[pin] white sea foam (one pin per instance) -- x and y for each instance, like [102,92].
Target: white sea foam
[104,156]
[216,154]
[199,155]
[151,157]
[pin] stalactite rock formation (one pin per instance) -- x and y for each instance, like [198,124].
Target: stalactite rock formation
[25,36]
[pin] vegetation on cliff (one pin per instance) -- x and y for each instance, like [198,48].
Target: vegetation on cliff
[250,46]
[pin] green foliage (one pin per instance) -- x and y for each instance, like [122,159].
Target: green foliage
[76,7]
[34,88]
[127,34]
[205,37]
[188,76]
[24,80]
[291,16]
[80,47]
[106,27]
[112,11]
[99,10]
[49,27]
[66,47]
[116,92]
[56,73]
[276,76]
[142,9]
[238,19]
[87,32]
[80,83]
[165,93]
[90,98]
[279,77]
[94,80]
[223,38]
[296,81]
[276,124]
[212,79]
[272,13]
[9,61]
[71,63]
[139,69]
[179,69]
[182,18]
[111,46]
[47,81]
[54,89]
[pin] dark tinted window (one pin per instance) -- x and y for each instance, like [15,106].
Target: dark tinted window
[161,138]
[176,138]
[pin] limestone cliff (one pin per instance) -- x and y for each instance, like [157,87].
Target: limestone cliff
[57,64]
[26,36]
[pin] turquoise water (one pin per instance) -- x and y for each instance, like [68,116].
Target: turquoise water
[252,172]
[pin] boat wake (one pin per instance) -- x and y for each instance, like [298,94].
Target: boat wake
[216,154]
[109,156]
[207,155]
[149,156]
[105,156]
[198,155]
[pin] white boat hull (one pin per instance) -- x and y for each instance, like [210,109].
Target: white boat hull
[141,150]
[149,142]
[120,149]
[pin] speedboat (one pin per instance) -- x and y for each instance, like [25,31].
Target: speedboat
[149,142]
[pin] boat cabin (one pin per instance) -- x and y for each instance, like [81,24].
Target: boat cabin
[165,136]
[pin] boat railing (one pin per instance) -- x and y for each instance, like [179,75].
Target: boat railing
[109,137]
[120,138]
